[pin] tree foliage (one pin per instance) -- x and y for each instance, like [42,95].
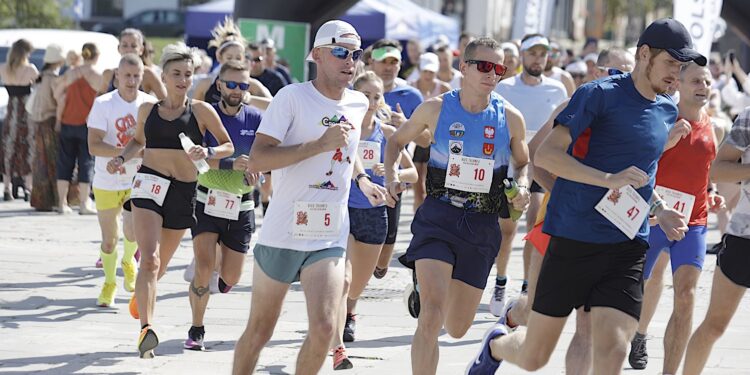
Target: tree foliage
[34,14]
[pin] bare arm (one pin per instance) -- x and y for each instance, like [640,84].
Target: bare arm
[518,148]
[201,88]
[261,102]
[209,120]
[541,175]
[98,147]
[423,119]
[407,172]
[152,83]
[568,82]
[725,167]
[107,77]
[257,89]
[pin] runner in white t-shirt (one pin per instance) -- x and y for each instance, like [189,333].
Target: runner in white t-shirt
[535,96]
[308,138]
[111,124]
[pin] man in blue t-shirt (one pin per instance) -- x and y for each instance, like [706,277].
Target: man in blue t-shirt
[403,100]
[590,261]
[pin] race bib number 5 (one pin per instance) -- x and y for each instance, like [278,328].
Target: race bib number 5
[370,153]
[316,220]
[469,174]
[677,200]
[148,186]
[624,208]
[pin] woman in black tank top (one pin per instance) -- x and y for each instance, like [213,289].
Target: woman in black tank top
[163,193]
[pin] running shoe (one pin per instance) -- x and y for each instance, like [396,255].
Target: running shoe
[638,357]
[107,296]
[147,342]
[189,271]
[137,255]
[128,269]
[224,287]
[133,307]
[497,302]
[505,318]
[195,339]
[340,359]
[99,263]
[379,273]
[483,363]
[351,324]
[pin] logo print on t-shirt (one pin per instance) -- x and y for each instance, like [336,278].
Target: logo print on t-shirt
[328,121]
[327,185]
[456,147]
[455,170]
[489,132]
[488,148]
[125,127]
[457,130]
[301,218]
[615,196]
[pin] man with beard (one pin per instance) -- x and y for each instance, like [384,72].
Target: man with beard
[598,211]
[224,209]
[535,96]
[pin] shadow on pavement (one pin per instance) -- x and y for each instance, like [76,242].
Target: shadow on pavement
[71,363]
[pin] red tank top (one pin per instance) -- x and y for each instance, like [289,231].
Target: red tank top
[685,167]
[79,98]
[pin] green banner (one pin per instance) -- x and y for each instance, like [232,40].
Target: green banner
[292,40]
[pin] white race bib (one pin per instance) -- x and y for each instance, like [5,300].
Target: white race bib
[469,174]
[148,186]
[129,170]
[222,204]
[624,208]
[370,153]
[677,200]
[316,221]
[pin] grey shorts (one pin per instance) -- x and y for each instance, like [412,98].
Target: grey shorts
[285,265]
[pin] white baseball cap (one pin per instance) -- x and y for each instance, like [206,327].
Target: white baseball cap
[335,31]
[429,62]
[510,47]
[535,41]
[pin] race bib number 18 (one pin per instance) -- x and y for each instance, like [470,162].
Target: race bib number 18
[469,174]
[148,186]
[624,208]
[316,220]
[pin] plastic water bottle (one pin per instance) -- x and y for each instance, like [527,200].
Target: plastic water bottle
[511,190]
[201,165]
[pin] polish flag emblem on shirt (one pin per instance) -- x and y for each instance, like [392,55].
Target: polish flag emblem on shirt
[489,132]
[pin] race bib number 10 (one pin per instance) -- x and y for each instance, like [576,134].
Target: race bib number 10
[469,174]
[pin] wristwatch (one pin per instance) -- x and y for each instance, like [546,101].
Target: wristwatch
[211,152]
[365,175]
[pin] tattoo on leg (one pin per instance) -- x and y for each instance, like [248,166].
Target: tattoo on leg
[199,291]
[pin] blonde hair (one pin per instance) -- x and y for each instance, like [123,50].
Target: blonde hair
[383,112]
[225,34]
[89,51]
[179,52]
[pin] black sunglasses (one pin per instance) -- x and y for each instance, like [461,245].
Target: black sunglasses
[233,85]
[254,59]
[486,67]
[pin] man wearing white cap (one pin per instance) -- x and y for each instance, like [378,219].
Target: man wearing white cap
[536,96]
[308,138]
[428,84]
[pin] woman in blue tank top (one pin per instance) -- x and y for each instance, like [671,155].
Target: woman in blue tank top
[368,225]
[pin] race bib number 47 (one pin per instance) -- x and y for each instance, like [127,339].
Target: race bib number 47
[469,174]
[316,221]
[624,208]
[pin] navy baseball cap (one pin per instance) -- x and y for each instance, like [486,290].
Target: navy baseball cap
[670,35]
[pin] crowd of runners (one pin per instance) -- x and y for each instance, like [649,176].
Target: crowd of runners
[597,151]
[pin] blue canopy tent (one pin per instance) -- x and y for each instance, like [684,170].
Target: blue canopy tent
[373,19]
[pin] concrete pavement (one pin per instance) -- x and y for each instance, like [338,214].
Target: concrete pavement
[49,321]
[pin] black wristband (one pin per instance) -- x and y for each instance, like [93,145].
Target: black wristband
[356,179]
[122,159]
[226,163]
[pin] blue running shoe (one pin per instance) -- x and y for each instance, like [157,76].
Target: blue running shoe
[483,363]
[504,317]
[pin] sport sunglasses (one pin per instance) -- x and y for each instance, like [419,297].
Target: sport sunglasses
[233,85]
[342,52]
[486,67]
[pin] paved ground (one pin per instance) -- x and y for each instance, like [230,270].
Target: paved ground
[49,322]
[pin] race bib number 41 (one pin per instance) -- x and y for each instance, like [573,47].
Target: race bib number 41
[677,200]
[473,175]
[148,186]
[370,153]
[316,221]
[624,208]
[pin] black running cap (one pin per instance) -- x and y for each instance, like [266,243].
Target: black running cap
[670,35]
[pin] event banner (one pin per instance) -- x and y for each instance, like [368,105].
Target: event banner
[292,41]
[700,17]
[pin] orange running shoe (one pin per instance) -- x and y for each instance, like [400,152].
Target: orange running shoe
[133,306]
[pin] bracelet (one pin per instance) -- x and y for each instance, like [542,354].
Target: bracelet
[654,206]
[356,179]
[211,152]
[122,159]
[226,163]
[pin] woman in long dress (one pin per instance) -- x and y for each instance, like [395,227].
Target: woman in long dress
[17,74]
[42,118]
